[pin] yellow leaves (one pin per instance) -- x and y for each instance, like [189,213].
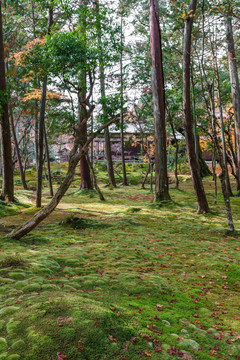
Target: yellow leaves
[37,93]
[30,44]
[190,14]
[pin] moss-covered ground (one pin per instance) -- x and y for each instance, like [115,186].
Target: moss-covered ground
[121,279]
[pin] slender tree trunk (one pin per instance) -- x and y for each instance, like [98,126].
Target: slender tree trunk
[194,114]
[40,144]
[222,125]
[214,174]
[41,125]
[48,162]
[86,182]
[176,152]
[7,193]
[223,175]
[36,124]
[235,91]
[161,176]
[108,150]
[194,166]
[125,182]
[151,177]
[19,159]
[145,177]
[95,184]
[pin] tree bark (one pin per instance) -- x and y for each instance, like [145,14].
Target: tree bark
[161,176]
[86,182]
[40,144]
[235,91]
[7,193]
[194,166]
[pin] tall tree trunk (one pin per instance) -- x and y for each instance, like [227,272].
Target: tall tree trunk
[41,125]
[194,114]
[235,91]
[40,144]
[194,166]
[19,159]
[7,193]
[36,124]
[108,150]
[125,182]
[224,152]
[161,176]
[86,181]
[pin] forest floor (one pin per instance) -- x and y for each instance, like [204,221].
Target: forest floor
[120,279]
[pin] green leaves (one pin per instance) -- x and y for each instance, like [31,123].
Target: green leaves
[69,54]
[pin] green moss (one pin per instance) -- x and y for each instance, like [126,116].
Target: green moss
[18,345]
[32,287]
[12,326]
[8,310]
[14,357]
[3,344]
[17,275]
[120,277]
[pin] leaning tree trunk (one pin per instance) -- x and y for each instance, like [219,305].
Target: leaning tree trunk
[75,157]
[235,92]
[161,176]
[194,166]
[7,193]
